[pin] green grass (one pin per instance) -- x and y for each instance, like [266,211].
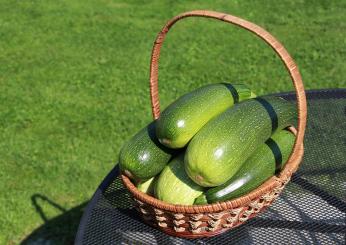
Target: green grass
[74,83]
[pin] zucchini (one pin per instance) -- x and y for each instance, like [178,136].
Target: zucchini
[147,186]
[182,119]
[174,186]
[266,160]
[143,157]
[220,148]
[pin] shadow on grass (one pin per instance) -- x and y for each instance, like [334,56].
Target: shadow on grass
[59,230]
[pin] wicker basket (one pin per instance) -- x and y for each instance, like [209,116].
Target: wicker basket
[210,220]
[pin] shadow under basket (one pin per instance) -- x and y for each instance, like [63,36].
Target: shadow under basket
[197,221]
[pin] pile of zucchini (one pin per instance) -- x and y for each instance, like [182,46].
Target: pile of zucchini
[213,144]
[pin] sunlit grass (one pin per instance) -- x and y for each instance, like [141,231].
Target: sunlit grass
[74,82]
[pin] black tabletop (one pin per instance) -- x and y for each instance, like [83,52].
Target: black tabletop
[311,209]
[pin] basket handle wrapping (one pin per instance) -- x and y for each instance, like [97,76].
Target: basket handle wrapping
[292,163]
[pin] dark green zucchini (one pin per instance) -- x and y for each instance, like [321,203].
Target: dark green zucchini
[143,157]
[266,160]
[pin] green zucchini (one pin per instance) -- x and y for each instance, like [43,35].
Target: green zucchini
[174,186]
[219,149]
[181,120]
[265,161]
[143,157]
[147,186]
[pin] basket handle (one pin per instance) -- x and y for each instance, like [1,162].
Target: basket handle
[290,65]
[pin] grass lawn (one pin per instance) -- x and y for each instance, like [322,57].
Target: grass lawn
[74,85]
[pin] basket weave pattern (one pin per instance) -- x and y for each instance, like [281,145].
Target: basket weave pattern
[212,219]
[205,223]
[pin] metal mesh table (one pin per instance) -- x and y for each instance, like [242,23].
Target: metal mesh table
[311,210]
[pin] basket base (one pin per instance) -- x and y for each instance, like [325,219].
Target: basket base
[190,235]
